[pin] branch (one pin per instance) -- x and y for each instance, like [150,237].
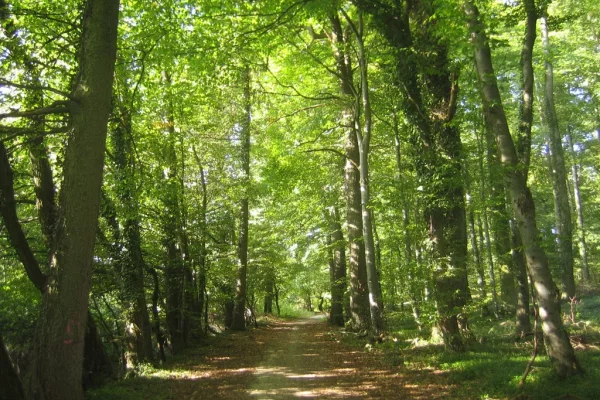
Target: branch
[297,112]
[330,97]
[142,72]
[28,131]
[58,107]
[339,153]
[315,59]
[17,238]
[316,36]
[317,137]
[279,20]
[453,98]
[4,82]
[49,16]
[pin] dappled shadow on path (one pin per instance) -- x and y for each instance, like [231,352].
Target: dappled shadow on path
[309,361]
[283,360]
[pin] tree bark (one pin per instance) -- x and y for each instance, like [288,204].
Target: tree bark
[160,339]
[16,236]
[239,320]
[175,269]
[414,284]
[562,210]
[500,224]
[97,366]
[474,246]
[364,142]
[585,269]
[484,230]
[131,261]
[359,301]
[337,268]
[10,384]
[437,147]
[556,338]
[202,263]
[523,148]
[60,333]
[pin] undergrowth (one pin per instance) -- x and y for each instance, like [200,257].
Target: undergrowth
[494,362]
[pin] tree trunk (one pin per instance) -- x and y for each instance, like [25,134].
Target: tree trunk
[202,264]
[475,247]
[523,321]
[10,384]
[131,261]
[239,320]
[270,292]
[523,148]
[364,142]
[97,366]
[277,301]
[414,283]
[498,216]
[585,269]
[160,339]
[59,337]
[484,229]
[175,273]
[564,228]
[337,268]
[16,235]
[556,338]
[359,301]
[437,147]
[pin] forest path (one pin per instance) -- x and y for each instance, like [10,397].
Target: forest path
[303,358]
[306,359]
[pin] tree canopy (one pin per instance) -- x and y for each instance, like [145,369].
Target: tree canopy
[240,158]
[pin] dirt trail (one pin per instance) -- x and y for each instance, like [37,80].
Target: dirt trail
[305,359]
[282,360]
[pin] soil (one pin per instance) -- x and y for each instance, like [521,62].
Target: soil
[293,359]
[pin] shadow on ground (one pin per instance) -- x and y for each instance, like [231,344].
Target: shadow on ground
[283,360]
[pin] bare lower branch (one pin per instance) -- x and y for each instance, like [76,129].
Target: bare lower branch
[16,235]
[59,107]
[4,82]
[16,132]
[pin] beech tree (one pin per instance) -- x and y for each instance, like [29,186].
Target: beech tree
[342,156]
[557,341]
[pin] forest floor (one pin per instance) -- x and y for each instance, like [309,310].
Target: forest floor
[304,358]
[307,358]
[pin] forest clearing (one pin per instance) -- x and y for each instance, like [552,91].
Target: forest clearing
[185,184]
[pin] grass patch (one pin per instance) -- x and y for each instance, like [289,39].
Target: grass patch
[291,312]
[494,362]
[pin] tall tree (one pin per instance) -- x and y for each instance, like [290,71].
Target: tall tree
[523,148]
[562,210]
[575,167]
[556,338]
[175,269]
[239,313]
[61,327]
[357,268]
[337,267]
[363,136]
[430,96]
[131,259]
